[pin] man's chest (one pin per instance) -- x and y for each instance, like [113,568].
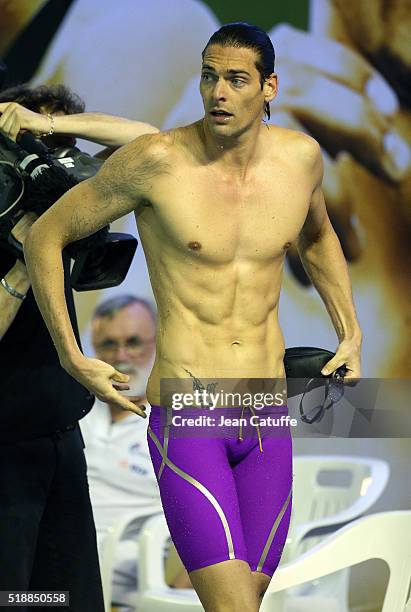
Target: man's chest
[217,220]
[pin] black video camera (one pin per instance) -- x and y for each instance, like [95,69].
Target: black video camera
[32,178]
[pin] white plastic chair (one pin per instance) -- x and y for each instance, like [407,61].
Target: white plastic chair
[315,506]
[154,595]
[320,508]
[108,552]
[386,536]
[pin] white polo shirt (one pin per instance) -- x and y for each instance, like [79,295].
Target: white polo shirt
[119,469]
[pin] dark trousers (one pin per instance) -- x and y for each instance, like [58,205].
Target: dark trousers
[47,532]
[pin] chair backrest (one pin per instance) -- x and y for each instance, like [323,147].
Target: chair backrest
[152,541]
[386,536]
[107,554]
[325,485]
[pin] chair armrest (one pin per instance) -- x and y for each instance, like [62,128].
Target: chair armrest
[108,551]
[385,535]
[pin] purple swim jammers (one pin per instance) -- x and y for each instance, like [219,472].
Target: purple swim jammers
[222,497]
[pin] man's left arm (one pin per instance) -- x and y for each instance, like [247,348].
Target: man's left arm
[324,262]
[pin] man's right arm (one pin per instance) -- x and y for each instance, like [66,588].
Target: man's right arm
[126,179]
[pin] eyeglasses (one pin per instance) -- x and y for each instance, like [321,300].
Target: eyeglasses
[134,345]
[333,392]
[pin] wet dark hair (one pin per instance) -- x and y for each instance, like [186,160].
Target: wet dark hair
[54,98]
[239,34]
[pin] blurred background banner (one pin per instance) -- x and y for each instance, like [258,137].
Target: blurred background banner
[343,69]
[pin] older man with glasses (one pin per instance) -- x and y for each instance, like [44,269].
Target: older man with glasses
[120,472]
[123,335]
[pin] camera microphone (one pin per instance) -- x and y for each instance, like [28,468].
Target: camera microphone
[28,155]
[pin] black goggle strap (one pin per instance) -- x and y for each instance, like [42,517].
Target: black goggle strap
[333,392]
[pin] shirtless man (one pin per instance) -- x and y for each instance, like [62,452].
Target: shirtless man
[217,204]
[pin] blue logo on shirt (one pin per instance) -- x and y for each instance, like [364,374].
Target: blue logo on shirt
[138,470]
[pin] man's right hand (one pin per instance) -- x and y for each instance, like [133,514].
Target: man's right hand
[105,382]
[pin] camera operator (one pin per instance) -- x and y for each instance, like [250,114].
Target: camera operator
[47,533]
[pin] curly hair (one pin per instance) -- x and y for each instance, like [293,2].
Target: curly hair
[53,98]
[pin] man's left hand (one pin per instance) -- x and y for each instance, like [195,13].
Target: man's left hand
[349,355]
[15,118]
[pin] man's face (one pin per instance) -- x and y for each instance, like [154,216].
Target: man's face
[127,342]
[230,83]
